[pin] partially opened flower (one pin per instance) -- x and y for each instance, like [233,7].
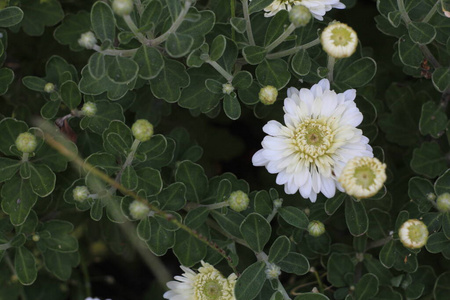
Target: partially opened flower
[318,8]
[207,284]
[339,40]
[413,234]
[363,177]
[319,138]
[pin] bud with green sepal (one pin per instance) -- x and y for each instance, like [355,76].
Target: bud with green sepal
[81,193]
[227,88]
[316,228]
[138,210]
[122,7]
[443,202]
[238,201]
[49,87]
[268,95]
[87,40]
[26,142]
[142,130]
[300,15]
[89,109]
[272,271]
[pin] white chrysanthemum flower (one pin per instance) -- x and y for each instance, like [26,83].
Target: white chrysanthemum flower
[207,284]
[318,8]
[319,138]
[413,234]
[339,40]
[363,177]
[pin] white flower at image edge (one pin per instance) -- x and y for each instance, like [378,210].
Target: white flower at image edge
[319,138]
[207,284]
[318,8]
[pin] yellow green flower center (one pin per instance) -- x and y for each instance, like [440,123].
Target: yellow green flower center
[212,289]
[418,232]
[313,138]
[341,36]
[365,176]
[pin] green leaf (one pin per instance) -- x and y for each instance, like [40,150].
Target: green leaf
[172,197]
[60,264]
[194,178]
[263,203]
[18,199]
[42,180]
[178,44]
[277,26]
[428,160]
[421,33]
[218,47]
[34,83]
[294,216]
[70,94]
[9,167]
[250,283]
[238,24]
[197,28]
[122,70]
[311,296]
[442,184]
[433,120]
[409,52]
[333,204]
[367,287]
[395,18]
[379,224]
[25,266]
[10,16]
[356,217]
[256,231]
[196,217]
[441,79]
[229,222]
[440,291]
[149,180]
[388,254]
[358,74]
[250,96]
[38,14]
[294,263]
[6,78]
[231,107]
[301,63]
[437,242]
[60,239]
[96,65]
[149,60]
[254,54]
[242,80]
[103,21]
[71,29]
[374,267]
[160,239]
[273,72]
[338,266]
[169,81]
[129,178]
[106,112]
[50,109]
[279,249]
[144,229]
[258,5]
[418,190]
[188,249]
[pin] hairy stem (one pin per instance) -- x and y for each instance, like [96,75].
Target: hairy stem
[221,70]
[281,38]
[127,163]
[293,50]
[248,24]
[115,52]
[431,12]
[135,30]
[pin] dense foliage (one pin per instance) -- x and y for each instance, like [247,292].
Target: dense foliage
[91,206]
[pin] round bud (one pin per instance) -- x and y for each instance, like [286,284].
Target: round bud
[413,234]
[122,7]
[26,142]
[238,201]
[80,193]
[277,203]
[87,40]
[142,130]
[299,15]
[268,95]
[272,271]
[138,210]
[35,238]
[316,228]
[339,40]
[431,196]
[227,88]
[443,202]
[89,109]
[49,87]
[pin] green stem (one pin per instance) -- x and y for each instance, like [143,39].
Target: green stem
[86,278]
[139,6]
[115,52]
[403,12]
[5,246]
[25,157]
[330,67]
[319,281]
[281,38]
[233,14]
[135,30]
[248,24]
[272,214]
[221,70]
[172,28]
[215,205]
[282,290]
[429,56]
[293,50]
[431,12]
[127,163]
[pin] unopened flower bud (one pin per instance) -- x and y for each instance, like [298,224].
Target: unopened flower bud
[431,196]
[339,40]
[443,202]
[413,234]
[87,40]
[35,238]
[268,95]
[80,193]
[227,88]
[142,130]
[26,142]
[316,228]
[277,203]
[89,109]
[238,201]
[299,15]
[49,87]
[138,210]
[272,271]
[122,7]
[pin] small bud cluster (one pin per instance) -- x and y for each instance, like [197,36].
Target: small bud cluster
[26,142]
[227,88]
[80,193]
[89,109]
[238,201]
[443,202]
[299,15]
[272,271]
[87,40]
[138,210]
[268,95]
[49,87]
[142,130]
[316,228]
[122,7]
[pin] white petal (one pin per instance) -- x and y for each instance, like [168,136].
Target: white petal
[291,91]
[258,159]
[272,127]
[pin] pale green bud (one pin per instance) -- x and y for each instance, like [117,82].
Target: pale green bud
[316,228]
[299,15]
[277,203]
[87,40]
[268,95]
[413,234]
[443,202]
[238,201]
[122,7]
[227,88]
[35,238]
[142,130]
[138,210]
[80,193]
[26,142]
[49,87]
[272,271]
[89,109]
